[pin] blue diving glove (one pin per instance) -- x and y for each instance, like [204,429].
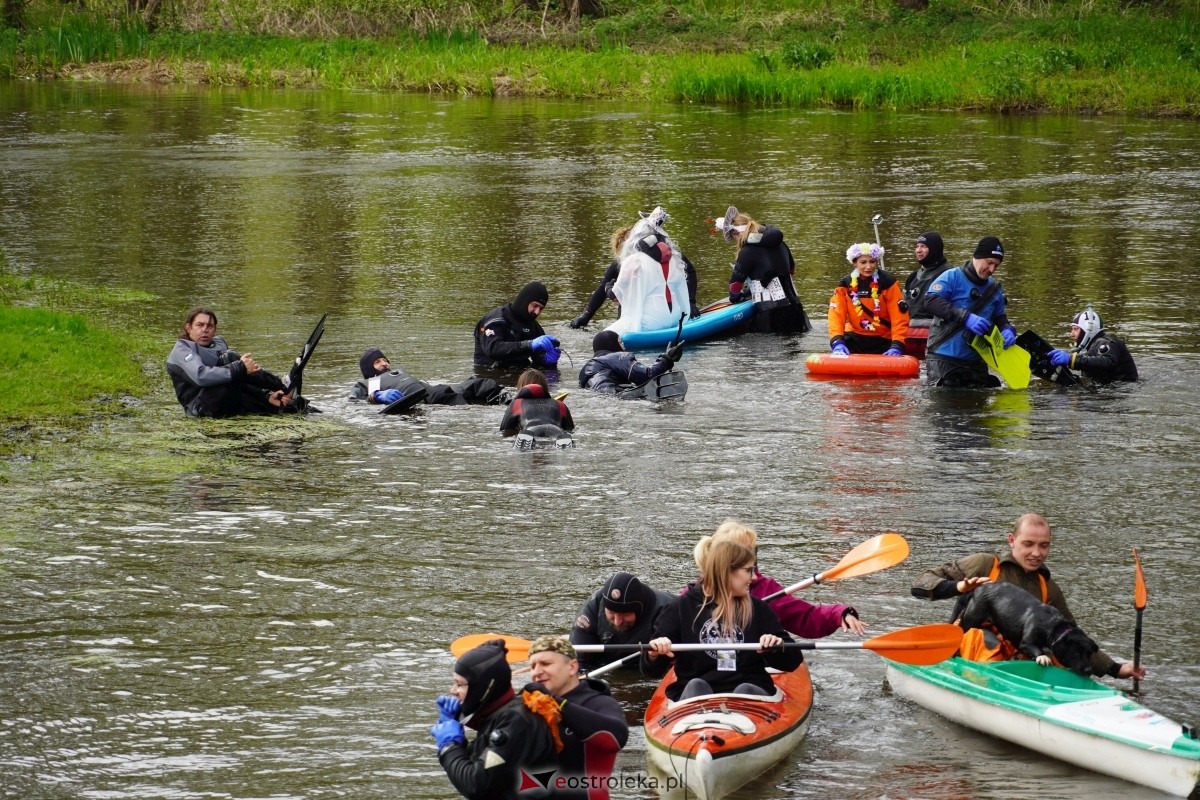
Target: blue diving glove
[449,707]
[386,396]
[1060,358]
[840,349]
[978,325]
[1008,335]
[894,350]
[551,356]
[543,344]
[448,731]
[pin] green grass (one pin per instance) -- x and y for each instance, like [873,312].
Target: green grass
[58,364]
[1087,55]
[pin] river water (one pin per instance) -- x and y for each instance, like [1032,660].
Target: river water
[262,608]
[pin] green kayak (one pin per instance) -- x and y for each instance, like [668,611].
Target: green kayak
[1059,714]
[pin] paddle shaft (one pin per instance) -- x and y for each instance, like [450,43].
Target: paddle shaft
[1140,597]
[923,644]
[678,332]
[695,647]
[795,587]
[1137,648]
[612,665]
[875,222]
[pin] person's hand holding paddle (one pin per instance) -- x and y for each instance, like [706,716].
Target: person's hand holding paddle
[660,647]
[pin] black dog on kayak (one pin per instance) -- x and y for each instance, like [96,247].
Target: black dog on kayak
[1034,628]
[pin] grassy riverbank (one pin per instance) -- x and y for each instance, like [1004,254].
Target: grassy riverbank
[59,365]
[1082,56]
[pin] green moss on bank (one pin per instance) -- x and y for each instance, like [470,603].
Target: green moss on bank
[1093,56]
[59,365]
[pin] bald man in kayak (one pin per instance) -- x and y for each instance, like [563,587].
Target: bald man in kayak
[1025,566]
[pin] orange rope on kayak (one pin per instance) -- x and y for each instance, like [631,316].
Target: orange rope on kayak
[548,709]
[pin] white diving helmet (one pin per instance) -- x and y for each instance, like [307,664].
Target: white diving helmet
[1089,322]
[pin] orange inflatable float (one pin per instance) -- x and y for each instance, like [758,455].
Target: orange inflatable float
[861,365]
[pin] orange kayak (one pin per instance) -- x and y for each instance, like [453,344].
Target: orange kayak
[712,745]
[861,365]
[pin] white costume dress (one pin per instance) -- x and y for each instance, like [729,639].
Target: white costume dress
[652,294]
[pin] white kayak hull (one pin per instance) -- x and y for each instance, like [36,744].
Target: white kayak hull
[1086,732]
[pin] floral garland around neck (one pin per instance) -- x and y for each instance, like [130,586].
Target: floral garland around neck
[858,306]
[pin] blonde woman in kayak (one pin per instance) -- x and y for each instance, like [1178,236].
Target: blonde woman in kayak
[718,609]
[800,618]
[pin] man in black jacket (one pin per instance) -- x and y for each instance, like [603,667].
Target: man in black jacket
[611,369]
[510,337]
[622,611]
[382,384]
[931,262]
[592,726]
[1100,357]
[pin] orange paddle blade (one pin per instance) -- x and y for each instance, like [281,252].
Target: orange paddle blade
[1140,596]
[921,644]
[518,649]
[885,550]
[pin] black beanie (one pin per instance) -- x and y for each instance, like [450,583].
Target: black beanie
[487,673]
[606,342]
[989,247]
[624,593]
[932,240]
[367,362]
[534,290]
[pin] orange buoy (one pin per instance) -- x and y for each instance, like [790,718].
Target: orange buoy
[861,365]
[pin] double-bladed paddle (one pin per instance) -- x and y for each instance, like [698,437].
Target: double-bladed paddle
[885,550]
[1140,596]
[920,645]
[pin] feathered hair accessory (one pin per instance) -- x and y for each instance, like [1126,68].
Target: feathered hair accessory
[864,249]
[658,217]
[725,226]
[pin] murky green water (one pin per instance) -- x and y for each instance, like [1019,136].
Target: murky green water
[261,608]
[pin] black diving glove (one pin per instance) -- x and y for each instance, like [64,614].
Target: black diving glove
[673,353]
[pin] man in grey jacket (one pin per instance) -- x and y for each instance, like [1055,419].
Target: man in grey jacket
[211,380]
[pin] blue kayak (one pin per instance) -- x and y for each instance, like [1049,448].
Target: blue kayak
[719,321]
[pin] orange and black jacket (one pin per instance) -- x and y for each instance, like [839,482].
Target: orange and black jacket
[847,317]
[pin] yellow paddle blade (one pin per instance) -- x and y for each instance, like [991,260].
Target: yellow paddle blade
[921,645]
[1140,596]
[885,550]
[518,649]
